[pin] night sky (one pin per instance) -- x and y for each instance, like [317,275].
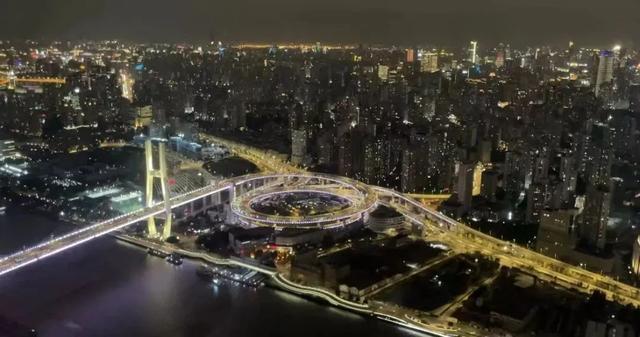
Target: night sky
[441,22]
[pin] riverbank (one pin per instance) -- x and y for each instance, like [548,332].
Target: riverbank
[281,283]
[112,288]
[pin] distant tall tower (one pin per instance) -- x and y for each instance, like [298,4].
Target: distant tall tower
[572,52]
[410,55]
[605,70]
[500,56]
[500,59]
[473,52]
[160,173]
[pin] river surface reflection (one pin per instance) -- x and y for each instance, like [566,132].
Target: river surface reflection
[109,288]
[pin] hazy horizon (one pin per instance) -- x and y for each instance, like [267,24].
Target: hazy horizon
[404,22]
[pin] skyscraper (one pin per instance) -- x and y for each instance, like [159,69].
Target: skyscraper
[429,63]
[415,164]
[500,56]
[599,154]
[536,201]
[383,72]
[595,217]
[604,74]
[489,185]
[465,184]
[374,154]
[540,166]
[514,173]
[410,55]
[298,146]
[555,234]
[473,52]
[568,176]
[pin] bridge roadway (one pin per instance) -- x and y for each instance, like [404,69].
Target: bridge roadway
[359,197]
[70,240]
[267,161]
[48,248]
[465,238]
[35,80]
[453,233]
[462,238]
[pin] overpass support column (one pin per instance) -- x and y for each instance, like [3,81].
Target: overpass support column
[232,193]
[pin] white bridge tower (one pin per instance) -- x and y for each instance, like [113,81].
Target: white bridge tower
[152,174]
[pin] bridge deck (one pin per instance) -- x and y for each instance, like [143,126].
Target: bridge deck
[455,234]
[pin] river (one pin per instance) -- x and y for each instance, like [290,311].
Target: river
[109,288]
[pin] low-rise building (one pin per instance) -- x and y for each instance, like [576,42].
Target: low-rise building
[290,237]
[245,241]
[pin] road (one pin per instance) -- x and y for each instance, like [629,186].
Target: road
[70,240]
[48,248]
[440,259]
[465,239]
[267,161]
[358,201]
[462,238]
[458,236]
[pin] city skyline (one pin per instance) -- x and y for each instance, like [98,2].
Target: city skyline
[373,157]
[590,23]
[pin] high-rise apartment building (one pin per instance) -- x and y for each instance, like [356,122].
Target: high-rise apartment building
[429,63]
[593,231]
[604,73]
[464,186]
[473,52]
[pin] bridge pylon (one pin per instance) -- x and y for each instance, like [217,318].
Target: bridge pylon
[12,80]
[161,173]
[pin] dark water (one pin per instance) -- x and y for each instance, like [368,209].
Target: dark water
[109,288]
[20,227]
